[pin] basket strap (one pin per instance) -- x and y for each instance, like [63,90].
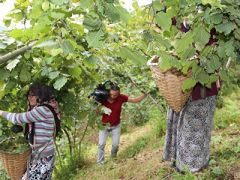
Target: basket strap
[42,149]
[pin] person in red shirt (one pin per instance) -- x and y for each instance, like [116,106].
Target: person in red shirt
[112,121]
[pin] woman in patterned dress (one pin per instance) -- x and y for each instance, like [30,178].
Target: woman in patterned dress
[188,134]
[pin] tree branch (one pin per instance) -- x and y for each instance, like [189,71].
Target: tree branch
[15,53]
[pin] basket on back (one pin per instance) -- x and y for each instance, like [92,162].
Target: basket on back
[15,164]
[170,85]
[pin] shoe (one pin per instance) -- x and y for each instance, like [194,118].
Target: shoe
[100,163]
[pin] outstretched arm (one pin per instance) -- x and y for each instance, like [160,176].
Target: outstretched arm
[137,99]
[37,114]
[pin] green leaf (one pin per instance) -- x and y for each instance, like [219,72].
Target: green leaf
[188,84]
[162,42]
[221,49]
[25,75]
[47,43]
[27,55]
[111,12]
[201,36]
[223,75]
[86,4]
[2,89]
[116,13]
[201,76]
[4,74]
[183,44]
[213,64]
[7,22]
[44,20]
[92,21]
[60,82]
[75,72]
[57,15]
[147,36]
[36,12]
[16,33]
[59,2]
[12,64]
[41,28]
[226,27]
[67,47]
[45,5]
[55,52]
[190,52]
[123,14]
[48,60]
[163,20]
[237,34]
[213,78]
[230,49]
[165,63]
[216,18]
[158,6]
[134,56]
[95,39]
[53,74]
[213,3]
[186,65]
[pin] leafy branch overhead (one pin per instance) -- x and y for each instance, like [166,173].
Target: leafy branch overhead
[81,43]
[202,37]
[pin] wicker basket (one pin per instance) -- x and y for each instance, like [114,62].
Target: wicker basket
[15,164]
[170,85]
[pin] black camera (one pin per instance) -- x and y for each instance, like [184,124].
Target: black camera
[101,92]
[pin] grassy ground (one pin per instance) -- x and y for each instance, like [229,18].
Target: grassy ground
[143,160]
[140,155]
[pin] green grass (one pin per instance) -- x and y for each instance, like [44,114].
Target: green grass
[229,115]
[69,169]
[131,151]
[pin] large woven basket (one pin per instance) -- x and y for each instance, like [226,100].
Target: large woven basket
[15,164]
[170,85]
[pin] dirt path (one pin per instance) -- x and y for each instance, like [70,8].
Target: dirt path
[144,165]
[128,139]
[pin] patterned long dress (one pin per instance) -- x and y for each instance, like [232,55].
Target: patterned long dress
[188,134]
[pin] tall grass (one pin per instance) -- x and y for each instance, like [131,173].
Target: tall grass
[229,113]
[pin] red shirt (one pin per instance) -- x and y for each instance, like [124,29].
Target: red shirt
[116,107]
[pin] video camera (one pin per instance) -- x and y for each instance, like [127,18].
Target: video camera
[101,92]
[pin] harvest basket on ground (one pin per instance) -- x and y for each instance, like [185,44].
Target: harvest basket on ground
[15,163]
[170,85]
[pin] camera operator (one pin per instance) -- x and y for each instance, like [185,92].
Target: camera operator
[111,122]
